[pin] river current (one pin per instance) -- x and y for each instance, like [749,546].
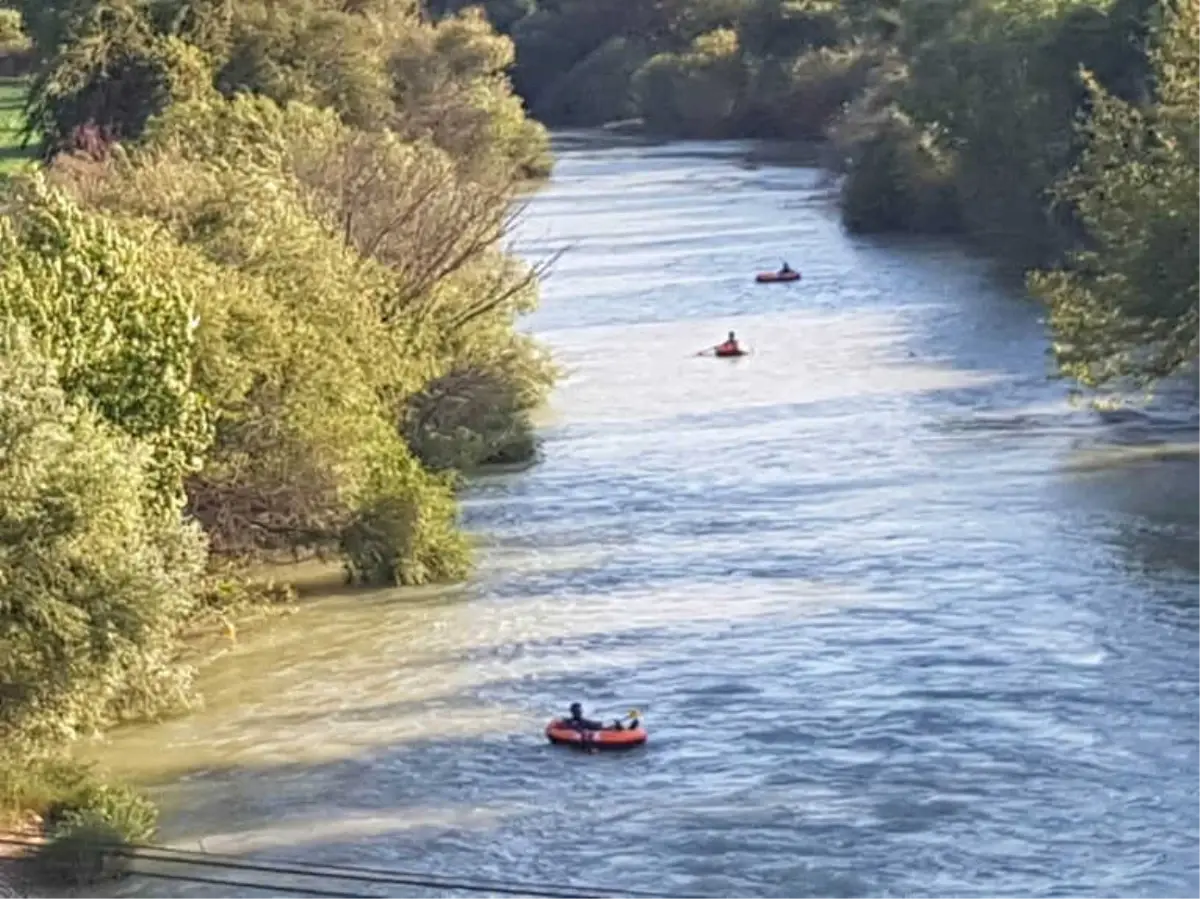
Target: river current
[899,619]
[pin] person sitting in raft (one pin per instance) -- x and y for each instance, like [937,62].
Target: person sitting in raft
[578,722]
[785,269]
[730,346]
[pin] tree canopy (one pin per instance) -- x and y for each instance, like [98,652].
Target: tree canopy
[255,306]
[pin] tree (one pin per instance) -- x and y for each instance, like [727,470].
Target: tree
[312,52]
[94,581]
[694,94]
[1126,309]
[305,366]
[118,320]
[450,85]
[103,66]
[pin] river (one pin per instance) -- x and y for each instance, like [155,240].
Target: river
[899,620]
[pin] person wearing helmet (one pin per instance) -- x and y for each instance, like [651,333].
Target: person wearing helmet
[577,721]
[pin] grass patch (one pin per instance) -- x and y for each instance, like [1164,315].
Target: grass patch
[81,818]
[13,156]
[64,793]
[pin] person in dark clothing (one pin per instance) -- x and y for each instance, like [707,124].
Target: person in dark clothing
[786,269]
[578,722]
[729,347]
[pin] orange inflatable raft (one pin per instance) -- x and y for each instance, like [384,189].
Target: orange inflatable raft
[773,277]
[561,734]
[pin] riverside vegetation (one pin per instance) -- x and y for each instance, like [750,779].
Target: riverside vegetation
[254,306]
[254,303]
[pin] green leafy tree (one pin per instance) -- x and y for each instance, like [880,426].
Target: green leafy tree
[1126,310]
[120,324]
[104,67]
[598,88]
[94,581]
[694,94]
[334,292]
[450,84]
[311,52]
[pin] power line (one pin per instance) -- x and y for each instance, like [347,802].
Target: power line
[402,877]
[372,875]
[363,874]
[261,887]
[322,893]
[367,875]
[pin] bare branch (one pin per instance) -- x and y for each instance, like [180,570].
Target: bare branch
[496,300]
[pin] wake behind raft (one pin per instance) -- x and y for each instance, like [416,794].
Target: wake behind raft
[584,734]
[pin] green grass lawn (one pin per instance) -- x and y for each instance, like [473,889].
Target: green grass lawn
[12,101]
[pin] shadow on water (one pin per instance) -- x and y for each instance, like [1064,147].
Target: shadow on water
[1148,499]
[892,771]
[400,824]
[972,321]
[830,827]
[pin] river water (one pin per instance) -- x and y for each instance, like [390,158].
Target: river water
[899,621]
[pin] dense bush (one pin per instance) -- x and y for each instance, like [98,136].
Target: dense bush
[267,236]
[117,322]
[82,851]
[1125,310]
[82,818]
[97,575]
[113,65]
[996,82]
[12,33]
[697,68]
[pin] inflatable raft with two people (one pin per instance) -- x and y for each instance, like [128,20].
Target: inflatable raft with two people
[584,733]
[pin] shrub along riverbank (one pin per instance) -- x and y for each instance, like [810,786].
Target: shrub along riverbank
[1060,135]
[254,307]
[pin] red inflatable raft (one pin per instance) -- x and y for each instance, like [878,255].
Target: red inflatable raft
[559,733]
[774,277]
[728,354]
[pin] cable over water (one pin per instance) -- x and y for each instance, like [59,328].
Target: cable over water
[172,865]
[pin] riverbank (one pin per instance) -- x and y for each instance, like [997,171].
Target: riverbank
[277,367]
